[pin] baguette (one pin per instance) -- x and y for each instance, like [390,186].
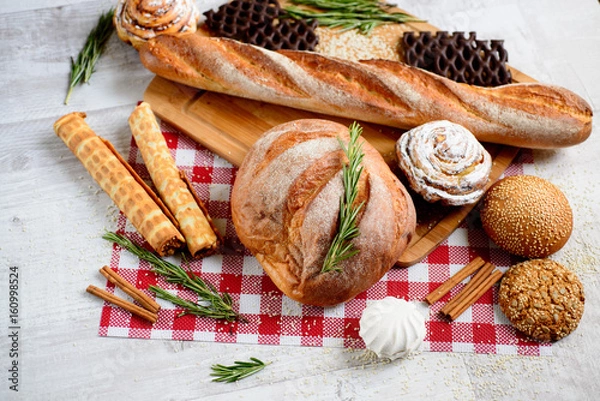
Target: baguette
[530,115]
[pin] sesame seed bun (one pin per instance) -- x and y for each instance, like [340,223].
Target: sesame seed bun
[527,216]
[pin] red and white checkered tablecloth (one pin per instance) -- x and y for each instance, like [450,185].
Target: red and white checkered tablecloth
[275,319]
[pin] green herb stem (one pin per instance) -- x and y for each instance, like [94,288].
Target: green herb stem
[341,246]
[239,370]
[218,305]
[363,15]
[190,308]
[83,68]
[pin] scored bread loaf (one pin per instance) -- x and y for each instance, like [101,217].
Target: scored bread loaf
[531,115]
[285,204]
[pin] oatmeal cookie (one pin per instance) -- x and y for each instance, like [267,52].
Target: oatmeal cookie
[542,299]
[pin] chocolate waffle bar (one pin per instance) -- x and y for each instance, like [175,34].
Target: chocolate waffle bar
[457,57]
[259,22]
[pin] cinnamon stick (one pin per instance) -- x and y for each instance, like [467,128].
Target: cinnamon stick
[128,306]
[147,302]
[459,276]
[484,272]
[475,294]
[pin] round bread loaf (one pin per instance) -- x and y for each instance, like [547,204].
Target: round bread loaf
[285,205]
[542,298]
[527,216]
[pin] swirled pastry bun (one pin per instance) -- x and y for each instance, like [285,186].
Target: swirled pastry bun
[444,162]
[136,21]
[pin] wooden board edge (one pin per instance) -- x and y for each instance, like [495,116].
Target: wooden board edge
[159,88]
[213,141]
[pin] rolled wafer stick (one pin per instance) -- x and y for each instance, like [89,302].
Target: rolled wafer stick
[128,306]
[202,207]
[459,276]
[194,223]
[484,272]
[139,180]
[118,182]
[475,294]
[147,302]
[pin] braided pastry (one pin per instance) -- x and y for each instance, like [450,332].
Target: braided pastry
[444,162]
[137,21]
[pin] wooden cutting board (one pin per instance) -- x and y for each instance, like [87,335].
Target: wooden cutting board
[229,126]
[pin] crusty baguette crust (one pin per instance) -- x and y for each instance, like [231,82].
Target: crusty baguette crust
[285,203]
[531,115]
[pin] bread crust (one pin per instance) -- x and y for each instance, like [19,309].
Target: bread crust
[531,115]
[527,216]
[285,203]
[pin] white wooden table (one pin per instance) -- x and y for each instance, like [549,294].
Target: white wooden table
[52,215]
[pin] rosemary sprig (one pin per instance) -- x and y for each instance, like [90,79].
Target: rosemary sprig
[190,308]
[218,305]
[341,248]
[237,371]
[363,15]
[83,67]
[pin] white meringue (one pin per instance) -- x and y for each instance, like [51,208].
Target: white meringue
[392,328]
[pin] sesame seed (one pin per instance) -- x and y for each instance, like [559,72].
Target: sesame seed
[527,216]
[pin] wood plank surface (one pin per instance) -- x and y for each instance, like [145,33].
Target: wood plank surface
[53,215]
[229,125]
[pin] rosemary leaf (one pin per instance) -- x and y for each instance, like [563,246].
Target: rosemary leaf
[237,371]
[83,68]
[363,15]
[218,306]
[190,308]
[341,247]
